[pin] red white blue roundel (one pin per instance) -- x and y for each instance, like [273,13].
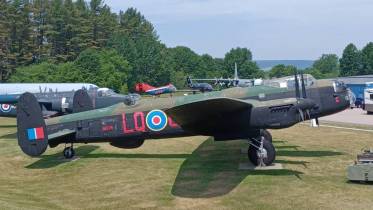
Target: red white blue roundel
[5,107]
[156,120]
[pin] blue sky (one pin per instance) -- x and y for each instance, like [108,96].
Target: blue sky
[271,29]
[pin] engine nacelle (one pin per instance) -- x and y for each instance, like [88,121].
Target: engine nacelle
[274,117]
[128,143]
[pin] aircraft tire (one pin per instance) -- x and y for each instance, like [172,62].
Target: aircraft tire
[268,147]
[68,152]
[266,134]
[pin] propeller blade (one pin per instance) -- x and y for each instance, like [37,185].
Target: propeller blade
[297,91]
[308,114]
[301,114]
[304,94]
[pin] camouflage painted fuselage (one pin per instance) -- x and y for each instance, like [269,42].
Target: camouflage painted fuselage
[267,107]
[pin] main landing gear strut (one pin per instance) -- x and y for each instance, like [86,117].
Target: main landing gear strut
[69,152]
[261,151]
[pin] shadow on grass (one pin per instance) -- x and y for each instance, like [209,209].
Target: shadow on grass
[294,162]
[83,152]
[9,136]
[306,153]
[140,156]
[8,126]
[360,182]
[279,141]
[288,147]
[50,161]
[213,170]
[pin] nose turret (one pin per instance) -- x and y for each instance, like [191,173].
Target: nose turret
[334,98]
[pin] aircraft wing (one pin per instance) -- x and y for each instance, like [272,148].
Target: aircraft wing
[206,115]
[9,99]
[220,116]
[13,99]
[213,80]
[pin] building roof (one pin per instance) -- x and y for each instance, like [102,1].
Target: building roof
[357,79]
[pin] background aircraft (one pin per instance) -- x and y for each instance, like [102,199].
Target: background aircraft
[14,88]
[60,103]
[230,114]
[202,87]
[154,91]
[235,82]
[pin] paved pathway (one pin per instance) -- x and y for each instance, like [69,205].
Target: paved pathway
[355,116]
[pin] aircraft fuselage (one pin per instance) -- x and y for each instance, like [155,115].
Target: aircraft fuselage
[272,108]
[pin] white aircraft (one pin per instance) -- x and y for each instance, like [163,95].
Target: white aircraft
[19,88]
[236,81]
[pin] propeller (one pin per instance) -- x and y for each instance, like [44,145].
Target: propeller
[304,94]
[303,113]
[297,92]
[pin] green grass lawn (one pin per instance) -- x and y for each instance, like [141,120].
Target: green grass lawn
[187,173]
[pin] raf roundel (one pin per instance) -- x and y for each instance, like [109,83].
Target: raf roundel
[5,107]
[156,120]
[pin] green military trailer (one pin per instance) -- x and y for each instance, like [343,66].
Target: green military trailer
[362,169]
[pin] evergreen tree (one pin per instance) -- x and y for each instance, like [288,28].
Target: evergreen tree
[102,21]
[367,59]
[350,63]
[4,41]
[139,34]
[39,11]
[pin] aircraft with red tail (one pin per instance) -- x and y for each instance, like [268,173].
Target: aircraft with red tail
[154,91]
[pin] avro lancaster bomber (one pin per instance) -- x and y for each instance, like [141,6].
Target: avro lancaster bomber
[230,114]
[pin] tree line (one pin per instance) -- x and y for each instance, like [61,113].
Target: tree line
[79,41]
[352,63]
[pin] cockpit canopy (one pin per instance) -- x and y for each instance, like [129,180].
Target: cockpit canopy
[105,92]
[289,81]
[130,99]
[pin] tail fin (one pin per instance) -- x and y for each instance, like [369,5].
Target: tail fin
[143,87]
[189,82]
[31,129]
[81,101]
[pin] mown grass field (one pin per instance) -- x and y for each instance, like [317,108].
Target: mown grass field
[187,173]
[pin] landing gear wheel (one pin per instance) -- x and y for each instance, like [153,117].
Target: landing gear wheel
[69,152]
[262,155]
[266,134]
